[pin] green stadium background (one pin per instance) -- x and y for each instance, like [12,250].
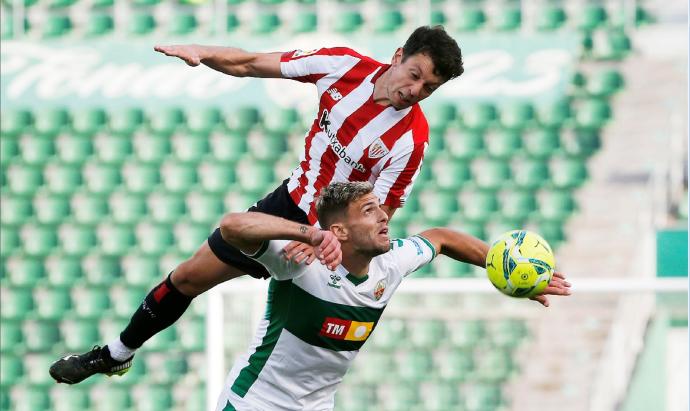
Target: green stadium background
[117,162]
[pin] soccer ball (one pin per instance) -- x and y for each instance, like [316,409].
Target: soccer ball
[520,264]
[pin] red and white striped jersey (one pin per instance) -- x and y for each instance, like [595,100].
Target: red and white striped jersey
[353,138]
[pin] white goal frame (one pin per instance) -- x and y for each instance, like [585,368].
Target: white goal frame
[217,368]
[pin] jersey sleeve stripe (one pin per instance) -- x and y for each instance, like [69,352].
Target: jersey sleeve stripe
[392,167]
[428,243]
[311,78]
[396,195]
[314,66]
[402,186]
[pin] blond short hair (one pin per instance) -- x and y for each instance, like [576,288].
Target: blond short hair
[334,199]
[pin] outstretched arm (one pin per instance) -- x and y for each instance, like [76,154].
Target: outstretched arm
[247,231]
[469,249]
[458,246]
[229,60]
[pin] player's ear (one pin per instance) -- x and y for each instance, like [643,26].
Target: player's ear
[340,231]
[397,57]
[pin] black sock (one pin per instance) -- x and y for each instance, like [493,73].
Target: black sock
[163,305]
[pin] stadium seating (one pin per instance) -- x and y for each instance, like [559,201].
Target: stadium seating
[140,177]
[101,178]
[126,206]
[348,21]
[508,19]
[152,149]
[182,24]
[99,24]
[115,239]
[87,207]
[41,335]
[388,21]
[76,239]
[265,23]
[455,365]
[68,398]
[74,148]
[23,178]
[550,18]
[141,23]
[413,366]
[57,26]
[304,22]
[11,337]
[96,201]
[63,270]
[100,269]
[78,334]
[439,396]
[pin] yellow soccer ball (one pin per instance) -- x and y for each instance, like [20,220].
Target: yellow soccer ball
[520,264]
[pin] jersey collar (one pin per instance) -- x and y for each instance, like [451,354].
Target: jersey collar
[356,280]
[381,70]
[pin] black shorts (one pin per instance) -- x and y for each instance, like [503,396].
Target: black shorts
[278,203]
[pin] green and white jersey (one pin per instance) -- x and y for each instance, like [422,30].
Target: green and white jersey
[315,323]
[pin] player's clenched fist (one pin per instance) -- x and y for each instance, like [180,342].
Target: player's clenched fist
[189,54]
[327,248]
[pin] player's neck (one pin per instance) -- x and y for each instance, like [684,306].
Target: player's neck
[380,95]
[355,263]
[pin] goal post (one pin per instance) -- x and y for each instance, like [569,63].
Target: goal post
[235,307]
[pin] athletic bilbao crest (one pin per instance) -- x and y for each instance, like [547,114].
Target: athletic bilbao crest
[380,288]
[377,149]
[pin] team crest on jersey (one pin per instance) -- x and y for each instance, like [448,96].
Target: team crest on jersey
[302,53]
[377,149]
[380,288]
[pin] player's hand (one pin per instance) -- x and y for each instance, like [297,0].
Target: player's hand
[557,286]
[189,54]
[327,248]
[299,252]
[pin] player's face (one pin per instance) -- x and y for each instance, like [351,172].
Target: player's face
[367,226]
[411,80]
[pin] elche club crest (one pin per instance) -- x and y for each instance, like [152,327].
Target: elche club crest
[380,288]
[377,149]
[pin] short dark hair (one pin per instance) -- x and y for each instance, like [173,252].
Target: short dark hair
[440,47]
[334,199]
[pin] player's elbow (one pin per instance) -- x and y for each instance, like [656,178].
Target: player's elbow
[435,233]
[437,236]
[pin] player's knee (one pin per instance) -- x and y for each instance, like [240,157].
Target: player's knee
[186,282]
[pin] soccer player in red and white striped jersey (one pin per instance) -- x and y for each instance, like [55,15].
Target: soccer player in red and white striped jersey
[369,127]
[355,137]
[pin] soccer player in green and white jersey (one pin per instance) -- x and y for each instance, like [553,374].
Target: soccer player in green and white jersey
[317,319]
